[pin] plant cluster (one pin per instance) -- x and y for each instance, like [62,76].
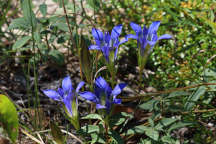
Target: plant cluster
[183,114]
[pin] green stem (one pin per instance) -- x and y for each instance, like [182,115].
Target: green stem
[142,60]
[37,101]
[112,71]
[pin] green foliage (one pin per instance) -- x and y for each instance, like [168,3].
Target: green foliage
[93,116]
[187,60]
[175,63]
[194,97]
[8,117]
[43,9]
[21,42]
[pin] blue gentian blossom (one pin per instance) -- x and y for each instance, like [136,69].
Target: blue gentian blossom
[65,94]
[146,36]
[103,94]
[106,42]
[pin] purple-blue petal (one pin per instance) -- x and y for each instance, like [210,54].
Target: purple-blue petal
[61,92]
[118,88]
[136,28]
[80,85]
[117,101]
[107,38]
[116,31]
[94,47]
[67,101]
[145,31]
[88,96]
[97,34]
[99,106]
[152,43]
[154,27]
[52,94]
[165,36]
[101,83]
[66,84]
[131,36]
[106,52]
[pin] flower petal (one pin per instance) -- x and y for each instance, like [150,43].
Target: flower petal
[117,101]
[106,52]
[67,101]
[118,88]
[116,31]
[145,30]
[94,47]
[80,85]
[154,27]
[52,94]
[152,43]
[88,96]
[97,34]
[107,38]
[165,36]
[131,36]
[66,84]
[99,106]
[61,92]
[136,28]
[116,53]
[101,83]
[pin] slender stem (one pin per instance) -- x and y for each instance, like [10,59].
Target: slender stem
[46,39]
[107,127]
[67,21]
[37,101]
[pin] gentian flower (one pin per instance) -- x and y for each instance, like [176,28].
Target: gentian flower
[146,36]
[66,94]
[103,94]
[107,43]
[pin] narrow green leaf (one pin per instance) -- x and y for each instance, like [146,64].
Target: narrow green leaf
[21,42]
[28,12]
[152,133]
[179,125]
[194,98]
[57,134]
[93,116]
[149,105]
[89,129]
[97,138]
[19,23]
[43,9]
[85,60]
[164,123]
[9,117]
[116,138]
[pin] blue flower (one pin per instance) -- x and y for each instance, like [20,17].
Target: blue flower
[66,94]
[106,42]
[103,94]
[146,36]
